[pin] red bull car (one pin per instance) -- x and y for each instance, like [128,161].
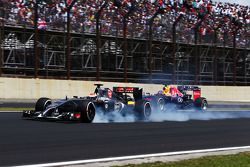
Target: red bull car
[182,97]
[121,99]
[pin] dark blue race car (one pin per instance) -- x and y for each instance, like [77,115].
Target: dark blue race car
[121,99]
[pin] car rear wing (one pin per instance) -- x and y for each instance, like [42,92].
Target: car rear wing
[137,92]
[188,88]
[125,89]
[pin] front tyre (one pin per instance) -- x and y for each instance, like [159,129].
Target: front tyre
[87,110]
[161,104]
[42,104]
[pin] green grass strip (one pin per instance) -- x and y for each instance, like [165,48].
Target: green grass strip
[14,109]
[238,160]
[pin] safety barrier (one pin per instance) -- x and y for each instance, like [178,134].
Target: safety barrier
[19,88]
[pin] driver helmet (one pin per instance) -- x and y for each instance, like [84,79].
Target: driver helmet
[166,90]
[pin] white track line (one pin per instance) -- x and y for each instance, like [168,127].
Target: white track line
[134,157]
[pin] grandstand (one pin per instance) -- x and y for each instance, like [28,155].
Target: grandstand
[154,41]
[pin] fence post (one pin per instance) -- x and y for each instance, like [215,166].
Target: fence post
[197,62]
[174,54]
[98,56]
[68,44]
[97,48]
[245,63]
[150,50]
[150,62]
[174,48]
[125,50]
[2,12]
[234,58]
[69,57]
[36,60]
[215,61]
[245,54]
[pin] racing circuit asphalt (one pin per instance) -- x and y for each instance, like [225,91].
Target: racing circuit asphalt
[24,142]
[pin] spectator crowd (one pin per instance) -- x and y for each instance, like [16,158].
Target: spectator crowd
[215,22]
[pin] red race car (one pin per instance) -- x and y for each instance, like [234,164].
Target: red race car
[182,96]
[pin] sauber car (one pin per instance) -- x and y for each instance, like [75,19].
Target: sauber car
[66,109]
[84,108]
[182,97]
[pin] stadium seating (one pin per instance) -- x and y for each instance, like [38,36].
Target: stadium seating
[215,18]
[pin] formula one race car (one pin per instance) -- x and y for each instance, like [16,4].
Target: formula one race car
[65,109]
[84,108]
[181,97]
[137,104]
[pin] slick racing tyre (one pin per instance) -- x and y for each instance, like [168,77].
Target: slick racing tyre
[147,110]
[42,104]
[87,110]
[161,104]
[144,110]
[201,104]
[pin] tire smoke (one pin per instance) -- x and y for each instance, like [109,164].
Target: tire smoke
[172,115]
[182,116]
[102,117]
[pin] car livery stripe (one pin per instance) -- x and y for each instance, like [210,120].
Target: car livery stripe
[102,160]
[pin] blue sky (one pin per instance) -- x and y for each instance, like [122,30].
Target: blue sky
[242,2]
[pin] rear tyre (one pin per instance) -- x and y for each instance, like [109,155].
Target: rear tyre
[42,104]
[201,104]
[87,110]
